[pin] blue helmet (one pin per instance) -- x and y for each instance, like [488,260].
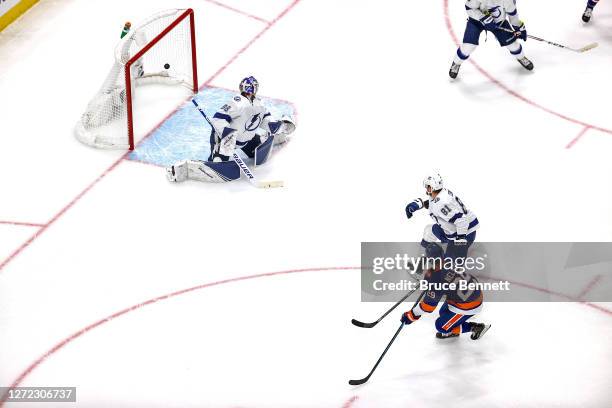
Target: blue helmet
[249,85]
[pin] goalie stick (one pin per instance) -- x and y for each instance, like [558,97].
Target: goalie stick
[583,49]
[243,167]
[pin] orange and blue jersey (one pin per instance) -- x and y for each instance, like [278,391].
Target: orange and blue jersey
[459,306]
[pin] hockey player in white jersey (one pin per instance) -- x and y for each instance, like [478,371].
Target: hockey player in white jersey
[244,123]
[491,16]
[454,225]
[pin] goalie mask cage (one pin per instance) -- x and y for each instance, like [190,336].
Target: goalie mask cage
[161,50]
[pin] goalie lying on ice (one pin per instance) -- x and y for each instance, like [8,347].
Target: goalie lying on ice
[244,123]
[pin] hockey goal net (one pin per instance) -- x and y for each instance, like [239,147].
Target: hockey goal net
[161,50]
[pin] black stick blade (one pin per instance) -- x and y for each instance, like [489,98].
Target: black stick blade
[362,324]
[359,382]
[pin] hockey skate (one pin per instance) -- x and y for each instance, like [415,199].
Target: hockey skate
[454,70]
[586,16]
[446,335]
[526,63]
[478,330]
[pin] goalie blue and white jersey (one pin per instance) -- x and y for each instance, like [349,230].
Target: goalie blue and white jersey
[241,118]
[451,214]
[499,10]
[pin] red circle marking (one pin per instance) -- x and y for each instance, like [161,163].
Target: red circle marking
[100,322]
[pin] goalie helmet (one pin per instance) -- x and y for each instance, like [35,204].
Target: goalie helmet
[249,86]
[434,181]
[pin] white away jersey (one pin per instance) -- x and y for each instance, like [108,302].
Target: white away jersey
[241,118]
[497,9]
[451,214]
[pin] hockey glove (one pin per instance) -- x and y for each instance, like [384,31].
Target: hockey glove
[409,317]
[520,31]
[413,206]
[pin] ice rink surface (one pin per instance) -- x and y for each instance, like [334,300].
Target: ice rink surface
[143,293]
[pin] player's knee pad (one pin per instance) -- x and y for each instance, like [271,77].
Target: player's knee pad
[434,233]
[428,235]
[448,320]
[440,322]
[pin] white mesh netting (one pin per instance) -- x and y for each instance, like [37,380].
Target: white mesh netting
[105,122]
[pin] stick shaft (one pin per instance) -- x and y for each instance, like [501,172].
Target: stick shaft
[399,302]
[353,382]
[533,37]
[396,305]
[399,329]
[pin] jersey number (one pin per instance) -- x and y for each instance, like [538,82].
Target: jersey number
[445,210]
[463,294]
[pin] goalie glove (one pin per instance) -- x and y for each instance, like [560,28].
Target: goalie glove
[283,129]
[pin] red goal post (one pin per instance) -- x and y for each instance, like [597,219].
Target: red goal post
[161,50]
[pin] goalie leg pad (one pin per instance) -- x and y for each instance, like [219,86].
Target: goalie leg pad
[216,172]
[263,151]
[177,172]
[212,172]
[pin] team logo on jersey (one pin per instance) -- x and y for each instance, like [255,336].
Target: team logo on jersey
[255,122]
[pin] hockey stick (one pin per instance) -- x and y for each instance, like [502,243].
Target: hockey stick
[365,379]
[370,325]
[251,177]
[243,167]
[583,49]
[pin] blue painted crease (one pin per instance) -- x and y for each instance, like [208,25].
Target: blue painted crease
[186,135]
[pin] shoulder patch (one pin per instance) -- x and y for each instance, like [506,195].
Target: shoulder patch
[237,98]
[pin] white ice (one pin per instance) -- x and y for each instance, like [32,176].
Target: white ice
[376,113]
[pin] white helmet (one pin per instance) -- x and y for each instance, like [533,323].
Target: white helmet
[434,181]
